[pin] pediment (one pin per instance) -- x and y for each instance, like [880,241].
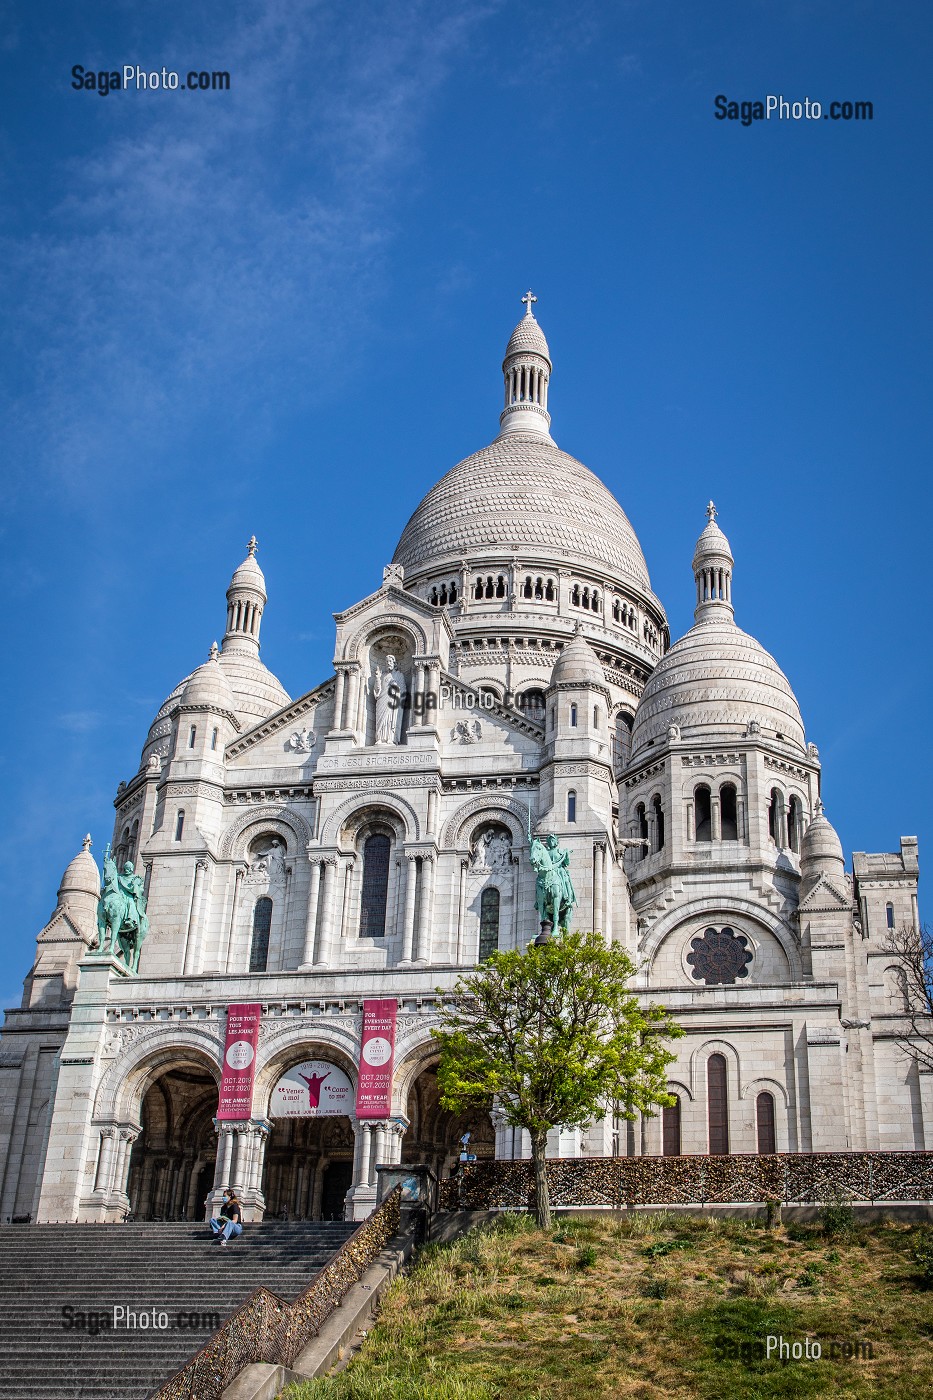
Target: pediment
[292,719]
[825,896]
[61,929]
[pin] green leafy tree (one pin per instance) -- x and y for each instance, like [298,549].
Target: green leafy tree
[556,1036]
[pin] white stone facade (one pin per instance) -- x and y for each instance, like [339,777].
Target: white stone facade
[343,850]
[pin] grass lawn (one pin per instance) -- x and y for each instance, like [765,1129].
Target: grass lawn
[652,1307]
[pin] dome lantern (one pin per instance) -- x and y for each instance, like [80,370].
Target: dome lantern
[246,598]
[527,372]
[712,569]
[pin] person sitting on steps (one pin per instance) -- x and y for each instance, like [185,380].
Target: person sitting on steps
[229,1223]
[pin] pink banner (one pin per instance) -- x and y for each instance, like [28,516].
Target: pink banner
[236,1085]
[377,1057]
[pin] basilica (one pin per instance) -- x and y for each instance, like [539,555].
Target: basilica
[367,842]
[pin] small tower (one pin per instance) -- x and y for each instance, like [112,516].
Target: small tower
[527,372]
[712,569]
[246,598]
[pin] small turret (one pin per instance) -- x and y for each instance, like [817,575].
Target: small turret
[527,372]
[246,598]
[712,569]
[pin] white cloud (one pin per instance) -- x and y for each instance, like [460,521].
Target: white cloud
[214,253]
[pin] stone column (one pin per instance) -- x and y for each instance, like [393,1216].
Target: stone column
[192,938]
[408,928]
[338,697]
[689,828]
[353,699]
[741,821]
[224,1157]
[461,911]
[307,956]
[379,1154]
[426,912]
[599,884]
[715,817]
[417,696]
[242,1157]
[121,1171]
[325,930]
[516,896]
[231,926]
[108,1142]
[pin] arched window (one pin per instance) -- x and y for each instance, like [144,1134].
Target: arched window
[532,703]
[595,716]
[179,824]
[573,716]
[215,733]
[658,812]
[262,927]
[488,923]
[192,735]
[375,886]
[718,1104]
[670,1128]
[794,815]
[571,806]
[641,818]
[575,595]
[550,592]
[775,811]
[764,1114]
[729,812]
[889,915]
[702,808]
[134,841]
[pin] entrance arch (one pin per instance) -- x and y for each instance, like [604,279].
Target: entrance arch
[172,1161]
[434,1133]
[310,1153]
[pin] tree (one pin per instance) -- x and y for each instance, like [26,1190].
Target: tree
[912,946]
[556,1037]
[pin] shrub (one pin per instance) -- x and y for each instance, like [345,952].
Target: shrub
[587,1255]
[837,1218]
[923,1255]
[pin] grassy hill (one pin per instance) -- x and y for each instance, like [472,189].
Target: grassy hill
[653,1307]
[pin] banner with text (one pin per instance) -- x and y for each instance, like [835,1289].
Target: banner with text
[236,1085]
[377,1058]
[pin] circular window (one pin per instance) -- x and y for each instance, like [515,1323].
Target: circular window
[719,956]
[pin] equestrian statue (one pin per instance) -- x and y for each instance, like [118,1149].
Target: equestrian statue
[555,896]
[122,921]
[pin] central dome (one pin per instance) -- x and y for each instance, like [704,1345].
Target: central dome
[522,495]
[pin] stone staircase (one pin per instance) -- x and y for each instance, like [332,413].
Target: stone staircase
[169,1268]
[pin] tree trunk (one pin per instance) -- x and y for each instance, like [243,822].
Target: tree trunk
[542,1195]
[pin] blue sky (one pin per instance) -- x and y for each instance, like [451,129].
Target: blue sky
[282,310]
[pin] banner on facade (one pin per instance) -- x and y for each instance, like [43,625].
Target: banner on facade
[377,1059]
[314,1089]
[236,1084]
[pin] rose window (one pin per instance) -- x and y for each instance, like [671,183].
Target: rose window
[719,956]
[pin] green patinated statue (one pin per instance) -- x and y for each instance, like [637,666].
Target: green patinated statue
[122,921]
[555,896]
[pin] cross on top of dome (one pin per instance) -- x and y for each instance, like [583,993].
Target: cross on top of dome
[529,299]
[711,511]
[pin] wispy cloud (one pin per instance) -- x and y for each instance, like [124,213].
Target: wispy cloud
[214,253]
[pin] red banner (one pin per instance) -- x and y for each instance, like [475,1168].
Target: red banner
[236,1085]
[377,1058]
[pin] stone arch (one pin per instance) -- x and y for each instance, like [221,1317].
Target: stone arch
[764,1083]
[508,810]
[294,1043]
[121,1091]
[362,638]
[698,1059]
[335,821]
[680,1086]
[277,819]
[713,909]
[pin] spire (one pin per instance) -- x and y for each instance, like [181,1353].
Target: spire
[246,598]
[527,372]
[712,570]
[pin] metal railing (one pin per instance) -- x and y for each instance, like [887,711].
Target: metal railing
[616,1182]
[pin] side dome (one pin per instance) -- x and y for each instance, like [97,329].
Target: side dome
[522,493]
[209,688]
[716,681]
[578,664]
[81,875]
[821,848]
